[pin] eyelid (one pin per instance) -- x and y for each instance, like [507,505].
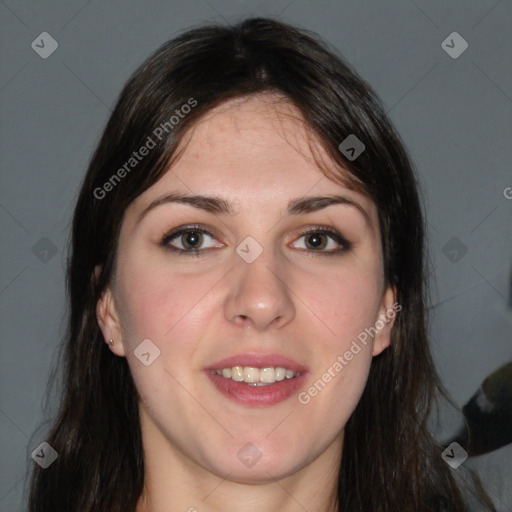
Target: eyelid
[334,234]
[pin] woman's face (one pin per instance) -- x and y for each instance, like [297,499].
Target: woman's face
[261,293]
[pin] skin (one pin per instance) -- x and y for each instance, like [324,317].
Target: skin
[309,306]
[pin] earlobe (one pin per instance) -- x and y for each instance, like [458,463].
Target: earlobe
[384,324]
[108,321]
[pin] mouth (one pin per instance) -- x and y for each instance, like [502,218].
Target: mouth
[257,380]
[256,376]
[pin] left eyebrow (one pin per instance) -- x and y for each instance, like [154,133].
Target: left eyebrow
[217,205]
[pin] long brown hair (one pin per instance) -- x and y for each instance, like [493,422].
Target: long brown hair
[396,465]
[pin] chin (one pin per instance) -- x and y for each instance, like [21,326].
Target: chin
[262,472]
[252,465]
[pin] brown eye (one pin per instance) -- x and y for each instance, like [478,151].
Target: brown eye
[324,240]
[316,240]
[189,239]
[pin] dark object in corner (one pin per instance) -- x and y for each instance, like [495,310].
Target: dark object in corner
[489,415]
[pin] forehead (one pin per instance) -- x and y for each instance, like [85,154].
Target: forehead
[253,151]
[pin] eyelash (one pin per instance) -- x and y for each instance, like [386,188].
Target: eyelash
[175,233]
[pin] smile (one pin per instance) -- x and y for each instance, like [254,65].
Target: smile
[256,376]
[254,379]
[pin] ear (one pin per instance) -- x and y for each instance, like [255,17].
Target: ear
[387,313]
[108,318]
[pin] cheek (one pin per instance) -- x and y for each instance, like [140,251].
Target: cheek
[344,305]
[156,303]
[167,309]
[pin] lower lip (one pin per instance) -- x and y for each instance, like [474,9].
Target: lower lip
[246,394]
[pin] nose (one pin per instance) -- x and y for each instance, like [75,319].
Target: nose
[259,296]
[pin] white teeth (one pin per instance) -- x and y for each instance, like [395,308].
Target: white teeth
[256,376]
[251,374]
[267,375]
[280,373]
[237,373]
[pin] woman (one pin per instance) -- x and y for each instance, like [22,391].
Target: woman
[247,293]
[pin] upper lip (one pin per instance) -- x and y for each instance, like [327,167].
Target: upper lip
[258,361]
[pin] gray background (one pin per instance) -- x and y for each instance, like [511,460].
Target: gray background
[453,114]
